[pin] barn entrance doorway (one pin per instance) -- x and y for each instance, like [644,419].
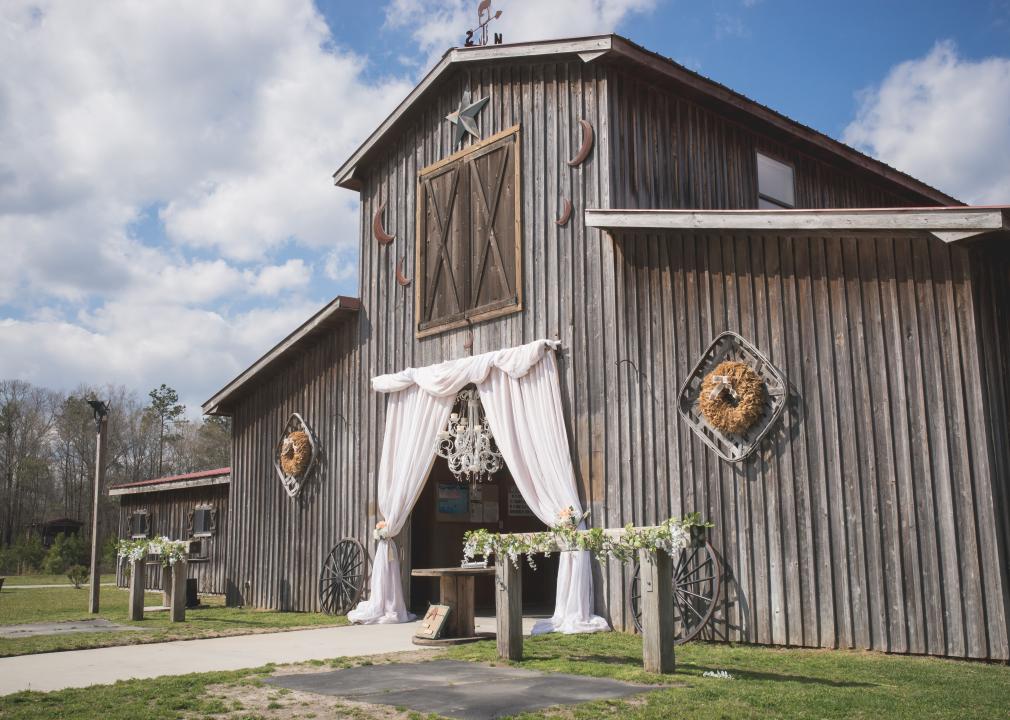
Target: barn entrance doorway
[446,509]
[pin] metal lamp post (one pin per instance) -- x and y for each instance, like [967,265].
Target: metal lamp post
[101,411]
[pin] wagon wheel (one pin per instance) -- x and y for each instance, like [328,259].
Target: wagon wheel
[697,589]
[342,578]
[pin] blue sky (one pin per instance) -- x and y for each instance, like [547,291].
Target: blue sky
[166,211]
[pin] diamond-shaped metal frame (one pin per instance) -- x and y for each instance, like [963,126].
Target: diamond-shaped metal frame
[293,484]
[731,446]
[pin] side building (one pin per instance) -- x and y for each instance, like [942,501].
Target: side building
[181,507]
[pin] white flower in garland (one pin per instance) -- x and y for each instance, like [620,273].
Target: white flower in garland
[717,674]
[381,532]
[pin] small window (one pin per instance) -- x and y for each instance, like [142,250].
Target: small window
[139,524]
[202,521]
[775,184]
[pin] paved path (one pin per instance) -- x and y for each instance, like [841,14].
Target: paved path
[67,585]
[81,668]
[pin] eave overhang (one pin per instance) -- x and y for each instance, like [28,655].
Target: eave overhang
[950,224]
[335,313]
[179,482]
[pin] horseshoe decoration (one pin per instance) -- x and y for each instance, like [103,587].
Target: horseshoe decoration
[400,277]
[381,235]
[587,144]
[566,214]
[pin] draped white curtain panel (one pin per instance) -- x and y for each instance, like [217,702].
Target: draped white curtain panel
[520,392]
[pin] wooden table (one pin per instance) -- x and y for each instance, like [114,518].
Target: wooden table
[456,591]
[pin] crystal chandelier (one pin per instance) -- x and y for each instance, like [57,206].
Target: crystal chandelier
[466,442]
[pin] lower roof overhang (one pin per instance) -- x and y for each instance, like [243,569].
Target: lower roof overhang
[179,482]
[332,315]
[949,224]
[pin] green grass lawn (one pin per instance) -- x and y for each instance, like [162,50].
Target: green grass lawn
[21,580]
[768,683]
[54,604]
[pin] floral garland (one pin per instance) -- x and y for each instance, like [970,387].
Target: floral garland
[170,551]
[380,532]
[671,536]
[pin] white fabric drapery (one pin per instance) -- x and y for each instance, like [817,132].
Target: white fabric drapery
[413,419]
[526,419]
[520,393]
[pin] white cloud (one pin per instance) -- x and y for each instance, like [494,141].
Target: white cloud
[441,24]
[944,119]
[222,120]
[275,279]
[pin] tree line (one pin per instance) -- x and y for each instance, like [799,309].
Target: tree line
[47,454]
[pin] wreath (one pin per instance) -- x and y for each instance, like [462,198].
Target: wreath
[296,453]
[732,397]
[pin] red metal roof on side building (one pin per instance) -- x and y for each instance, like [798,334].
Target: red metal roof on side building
[175,478]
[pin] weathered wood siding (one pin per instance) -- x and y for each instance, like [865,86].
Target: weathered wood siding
[669,151]
[278,543]
[868,520]
[865,524]
[169,512]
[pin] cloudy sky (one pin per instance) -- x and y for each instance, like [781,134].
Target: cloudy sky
[166,208]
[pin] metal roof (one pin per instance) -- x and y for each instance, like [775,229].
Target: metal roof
[219,476]
[614,48]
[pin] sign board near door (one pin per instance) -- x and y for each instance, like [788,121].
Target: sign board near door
[517,504]
[453,502]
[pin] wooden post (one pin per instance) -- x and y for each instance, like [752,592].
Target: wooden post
[103,426]
[657,610]
[179,591]
[166,586]
[508,582]
[138,581]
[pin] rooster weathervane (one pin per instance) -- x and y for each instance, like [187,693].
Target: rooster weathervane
[484,17]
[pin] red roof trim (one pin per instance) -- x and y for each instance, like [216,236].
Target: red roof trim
[175,478]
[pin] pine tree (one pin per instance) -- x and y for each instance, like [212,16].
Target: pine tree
[167,412]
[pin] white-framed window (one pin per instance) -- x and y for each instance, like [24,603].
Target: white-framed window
[202,521]
[139,524]
[776,184]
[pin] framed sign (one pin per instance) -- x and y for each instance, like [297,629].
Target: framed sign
[452,502]
[517,504]
[433,624]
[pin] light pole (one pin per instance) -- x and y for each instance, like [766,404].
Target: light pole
[101,427]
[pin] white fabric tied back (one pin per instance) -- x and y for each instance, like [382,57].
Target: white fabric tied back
[522,401]
[413,419]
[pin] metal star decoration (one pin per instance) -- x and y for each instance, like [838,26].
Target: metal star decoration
[463,119]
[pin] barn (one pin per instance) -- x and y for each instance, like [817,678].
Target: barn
[192,506]
[627,222]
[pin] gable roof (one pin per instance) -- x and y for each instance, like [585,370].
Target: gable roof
[614,48]
[333,314]
[220,476]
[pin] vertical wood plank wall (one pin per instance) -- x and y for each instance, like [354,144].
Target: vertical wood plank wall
[671,152]
[632,323]
[170,516]
[869,520]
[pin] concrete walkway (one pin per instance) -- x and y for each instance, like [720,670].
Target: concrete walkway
[81,668]
[7,587]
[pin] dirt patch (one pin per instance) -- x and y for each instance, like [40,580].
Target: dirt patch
[251,698]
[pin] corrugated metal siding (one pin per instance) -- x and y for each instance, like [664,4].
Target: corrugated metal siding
[170,516]
[868,520]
